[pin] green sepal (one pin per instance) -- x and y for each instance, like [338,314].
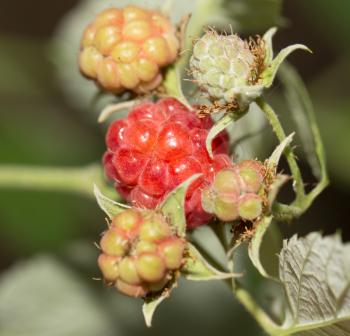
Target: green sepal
[197,268]
[151,304]
[224,122]
[110,207]
[270,72]
[173,207]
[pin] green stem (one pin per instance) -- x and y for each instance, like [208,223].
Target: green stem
[77,180]
[293,165]
[253,308]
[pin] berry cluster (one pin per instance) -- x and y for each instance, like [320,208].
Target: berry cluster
[140,252]
[236,192]
[124,49]
[159,146]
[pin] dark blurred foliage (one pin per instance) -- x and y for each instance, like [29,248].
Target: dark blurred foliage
[38,126]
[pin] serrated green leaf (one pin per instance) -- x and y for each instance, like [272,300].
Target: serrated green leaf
[224,122]
[110,207]
[150,306]
[269,74]
[315,272]
[196,268]
[173,207]
[277,153]
[42,297]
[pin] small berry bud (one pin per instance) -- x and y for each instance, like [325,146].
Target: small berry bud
[226,67]
[250,206]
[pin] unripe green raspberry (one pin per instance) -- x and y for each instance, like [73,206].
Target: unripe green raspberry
[131,290]
[172,251]
[225,67]
[128,272]
[252,175]
[109,267]
[154,229]
[226,208]
[250,206]
[113,243]
[150,267]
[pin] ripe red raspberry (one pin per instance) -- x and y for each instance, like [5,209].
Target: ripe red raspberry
[156,148]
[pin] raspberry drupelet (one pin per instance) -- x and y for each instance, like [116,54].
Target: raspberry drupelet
[159,146]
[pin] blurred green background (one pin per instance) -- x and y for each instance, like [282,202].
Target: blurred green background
[46,239]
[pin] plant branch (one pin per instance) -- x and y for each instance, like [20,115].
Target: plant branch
[77,180]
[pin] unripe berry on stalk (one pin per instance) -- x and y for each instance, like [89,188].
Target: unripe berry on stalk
[226,67]
[234,192]
[150,255]
[125,49]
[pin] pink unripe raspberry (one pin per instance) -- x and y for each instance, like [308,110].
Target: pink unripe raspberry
[250,206]
[157,147]
[125,49]
[140,252]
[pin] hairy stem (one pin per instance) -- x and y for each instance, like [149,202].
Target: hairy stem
[292,162]
[78,180]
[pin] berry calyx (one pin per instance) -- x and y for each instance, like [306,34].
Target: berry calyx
[125,49]
[157,147]
[149,257]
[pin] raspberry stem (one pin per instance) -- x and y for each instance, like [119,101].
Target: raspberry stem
[281,135]
[77,180]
